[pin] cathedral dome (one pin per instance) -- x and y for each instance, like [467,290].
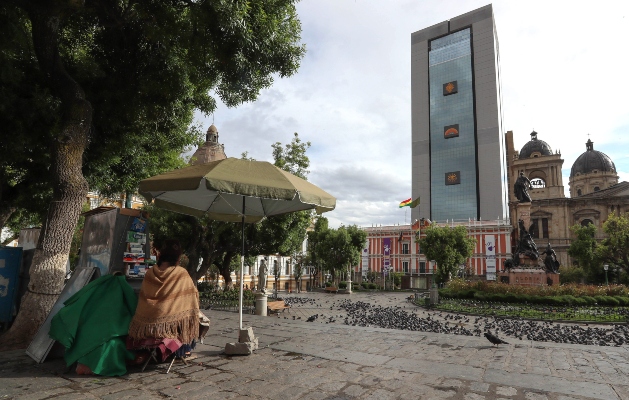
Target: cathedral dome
[535,146]
[592,160]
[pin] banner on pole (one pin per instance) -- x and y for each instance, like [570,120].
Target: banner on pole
[365,258]
[490,257]
[386,251]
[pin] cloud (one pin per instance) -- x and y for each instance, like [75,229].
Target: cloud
[562,74]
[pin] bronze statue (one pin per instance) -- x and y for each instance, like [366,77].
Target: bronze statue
[527,246]
[550,261]
[521,188]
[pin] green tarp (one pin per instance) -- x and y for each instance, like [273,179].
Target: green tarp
[94,323]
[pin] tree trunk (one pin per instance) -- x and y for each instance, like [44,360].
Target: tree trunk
[225,270]
[69,186]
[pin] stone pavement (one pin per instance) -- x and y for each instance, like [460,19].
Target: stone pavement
[301,360]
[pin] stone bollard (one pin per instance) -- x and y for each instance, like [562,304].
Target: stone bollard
[261,304]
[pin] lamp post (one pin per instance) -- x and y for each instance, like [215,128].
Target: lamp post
[606,267]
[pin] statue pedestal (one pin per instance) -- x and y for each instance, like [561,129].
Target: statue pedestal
[524,213]
[261,302]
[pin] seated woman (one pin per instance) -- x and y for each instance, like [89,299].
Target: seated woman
[167,315]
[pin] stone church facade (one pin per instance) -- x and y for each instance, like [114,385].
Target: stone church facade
[593,186]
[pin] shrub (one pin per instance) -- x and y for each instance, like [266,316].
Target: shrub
[589,300]
[372,285]
[328,284]
[365,285]
[342,285]
[607,301]
[623,300]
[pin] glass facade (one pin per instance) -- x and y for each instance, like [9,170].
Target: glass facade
[452,131]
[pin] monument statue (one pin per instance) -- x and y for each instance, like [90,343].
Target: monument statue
[262,274]
[550,261]
[521,188]
[527,245]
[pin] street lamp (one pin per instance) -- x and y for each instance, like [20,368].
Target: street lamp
[606,267]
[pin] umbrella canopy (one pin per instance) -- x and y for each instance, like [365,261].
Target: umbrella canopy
[216,189]
[235,190]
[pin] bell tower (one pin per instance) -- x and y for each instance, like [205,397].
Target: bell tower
[209,151]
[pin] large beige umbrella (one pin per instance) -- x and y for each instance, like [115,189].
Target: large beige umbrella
[235,190]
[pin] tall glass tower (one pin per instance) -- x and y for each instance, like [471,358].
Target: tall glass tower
[458,145]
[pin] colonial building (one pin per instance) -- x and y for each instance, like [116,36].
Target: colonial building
[593,186]
[394,249]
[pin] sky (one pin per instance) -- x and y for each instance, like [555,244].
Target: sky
[564,75]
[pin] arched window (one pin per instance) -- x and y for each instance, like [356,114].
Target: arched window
[596,188]
[578,192]
[586,222]
[538,183]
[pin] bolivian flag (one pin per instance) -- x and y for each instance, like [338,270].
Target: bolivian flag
[406,203]
[409,203]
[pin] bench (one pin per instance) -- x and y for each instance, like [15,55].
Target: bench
[276,306]
[331,289]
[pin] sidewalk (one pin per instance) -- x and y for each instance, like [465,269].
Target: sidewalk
[301,360]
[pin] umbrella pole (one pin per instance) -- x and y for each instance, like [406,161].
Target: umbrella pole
[242,260]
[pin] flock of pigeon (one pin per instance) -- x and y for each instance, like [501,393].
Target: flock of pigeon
[364,314]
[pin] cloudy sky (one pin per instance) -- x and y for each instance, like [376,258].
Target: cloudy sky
[564,74]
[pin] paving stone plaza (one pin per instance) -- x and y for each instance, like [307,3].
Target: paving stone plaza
[319,360]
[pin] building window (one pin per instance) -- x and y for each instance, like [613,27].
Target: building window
[535,232]
[405,266]
[538,183]
[586,222]
[404,248]
[596,188]
[578,192]
[422,267]
[545,228]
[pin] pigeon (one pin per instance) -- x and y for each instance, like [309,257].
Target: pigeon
[495,340]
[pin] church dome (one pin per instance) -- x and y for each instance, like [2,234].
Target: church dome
[535,146]
[592,160]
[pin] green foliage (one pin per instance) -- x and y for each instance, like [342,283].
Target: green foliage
[335,250]
[614,249]
[568,294]
[293,158]
[571,274]
[372,276]
[342,285]
[145,69]
[583,250]
[373,286]
[449,247]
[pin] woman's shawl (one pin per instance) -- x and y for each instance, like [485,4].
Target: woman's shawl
[168,306]
[92,325]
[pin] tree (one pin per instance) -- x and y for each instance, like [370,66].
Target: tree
[449,247]
[339,249]
[614,249]
[314,255]
[584,250]
[116,85]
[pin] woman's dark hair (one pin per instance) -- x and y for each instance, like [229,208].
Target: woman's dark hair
[169,252]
